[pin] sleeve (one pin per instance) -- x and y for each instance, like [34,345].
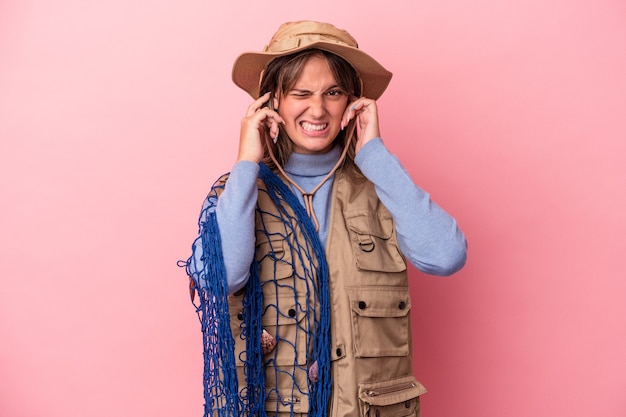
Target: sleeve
[428,236]
[234,212]
[235,219]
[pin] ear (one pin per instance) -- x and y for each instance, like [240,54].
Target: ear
[275,103]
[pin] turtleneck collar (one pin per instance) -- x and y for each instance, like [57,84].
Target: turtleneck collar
[312,165]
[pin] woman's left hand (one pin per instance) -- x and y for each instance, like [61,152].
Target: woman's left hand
[366,113]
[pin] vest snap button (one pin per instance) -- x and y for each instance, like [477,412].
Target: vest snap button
[362,305]
[292,312]
[402,305]
[240,316]
[338,352]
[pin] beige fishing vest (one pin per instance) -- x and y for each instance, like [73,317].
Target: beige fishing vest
[370,310]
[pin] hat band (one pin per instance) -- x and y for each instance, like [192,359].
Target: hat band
[288,44]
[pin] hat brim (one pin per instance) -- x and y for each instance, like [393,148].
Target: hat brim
[248,67]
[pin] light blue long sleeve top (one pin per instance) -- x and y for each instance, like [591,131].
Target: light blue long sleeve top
[428,237]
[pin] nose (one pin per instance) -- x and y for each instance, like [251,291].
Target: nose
[317,106]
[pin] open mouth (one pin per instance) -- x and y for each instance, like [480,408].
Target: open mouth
[312,127]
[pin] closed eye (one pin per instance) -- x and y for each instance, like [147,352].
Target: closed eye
[332,92]
[299,93]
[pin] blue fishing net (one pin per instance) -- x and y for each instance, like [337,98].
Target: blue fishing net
[308,315]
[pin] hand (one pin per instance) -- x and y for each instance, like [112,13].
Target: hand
[259,121]
[366,113]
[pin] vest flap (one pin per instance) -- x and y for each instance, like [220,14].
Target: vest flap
[380,301]
[363,222]
[288,310]
[274,258]
[270,244]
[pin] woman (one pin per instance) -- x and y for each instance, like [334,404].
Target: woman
[305,242]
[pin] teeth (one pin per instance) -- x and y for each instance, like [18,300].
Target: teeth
[313,127]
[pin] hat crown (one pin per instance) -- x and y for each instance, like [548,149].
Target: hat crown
[294,35]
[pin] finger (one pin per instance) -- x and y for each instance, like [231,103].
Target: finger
[274,129]
[262,118]
[349,113]
[268,116]
[360,105]
[258,104]
[273,122]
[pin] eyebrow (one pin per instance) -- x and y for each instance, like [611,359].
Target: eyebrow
[304,90]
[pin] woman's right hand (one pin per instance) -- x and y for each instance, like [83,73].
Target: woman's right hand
[258,121]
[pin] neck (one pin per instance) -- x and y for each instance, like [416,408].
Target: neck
[312,165]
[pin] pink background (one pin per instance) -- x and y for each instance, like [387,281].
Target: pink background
[116,116]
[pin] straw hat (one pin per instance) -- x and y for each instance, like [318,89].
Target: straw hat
[293,37]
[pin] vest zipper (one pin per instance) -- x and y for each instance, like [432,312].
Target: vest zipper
[390,390]
[283,401]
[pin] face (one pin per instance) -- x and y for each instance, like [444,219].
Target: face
[313,108]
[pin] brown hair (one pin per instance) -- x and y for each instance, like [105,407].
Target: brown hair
[281,75]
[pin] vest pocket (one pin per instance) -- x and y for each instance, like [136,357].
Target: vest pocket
[380,321]
[286,366]
[372,243]
[285,321]
[398,397]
